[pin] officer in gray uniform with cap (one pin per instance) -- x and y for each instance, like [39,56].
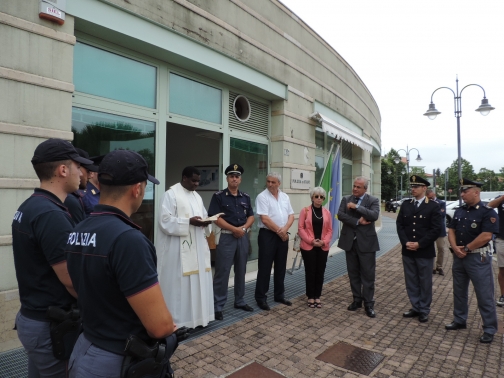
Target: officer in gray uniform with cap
[469,233]
[233,246]
[418,225]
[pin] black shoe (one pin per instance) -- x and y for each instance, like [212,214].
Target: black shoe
[218,315]
[453,326]
[370,311]
[263,306]
[434,271]
[423,318]
[284,301]
[411,314]
[486,338]
[354,306]
[440,271]
[245,307]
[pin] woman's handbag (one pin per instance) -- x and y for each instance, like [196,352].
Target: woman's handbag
[297,243]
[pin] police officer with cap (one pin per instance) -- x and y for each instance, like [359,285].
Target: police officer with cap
[113,267]
[74,201]
[40,230]
[233,245]
[469,234]
[418,225]
[92,196]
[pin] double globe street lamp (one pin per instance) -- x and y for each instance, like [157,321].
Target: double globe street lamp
[484,109]
[397,159]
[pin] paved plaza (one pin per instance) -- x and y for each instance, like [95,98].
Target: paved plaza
[288,339]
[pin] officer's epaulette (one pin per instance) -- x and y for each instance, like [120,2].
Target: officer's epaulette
[488,207]
[219,192]
[245,194]
[412,200]
[426,199]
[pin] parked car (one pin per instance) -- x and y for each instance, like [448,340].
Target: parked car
[450,209]
[391,206]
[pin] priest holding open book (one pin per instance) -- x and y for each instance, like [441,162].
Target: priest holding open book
[184,269]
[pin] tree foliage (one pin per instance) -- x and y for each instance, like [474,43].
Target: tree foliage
[391,182]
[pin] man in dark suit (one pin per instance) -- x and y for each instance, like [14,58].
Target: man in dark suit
[418,225]
[359,240]
[442,240]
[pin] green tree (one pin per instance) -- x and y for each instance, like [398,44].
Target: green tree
[489,179]
[453,180]
[391,173]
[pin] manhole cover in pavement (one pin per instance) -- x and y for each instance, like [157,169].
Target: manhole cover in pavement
[348,357]
[255,370]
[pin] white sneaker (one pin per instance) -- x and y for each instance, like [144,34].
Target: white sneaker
[500,301]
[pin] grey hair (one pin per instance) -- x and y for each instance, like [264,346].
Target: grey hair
[276,175]
[429,191]
[318,190]
[363,179]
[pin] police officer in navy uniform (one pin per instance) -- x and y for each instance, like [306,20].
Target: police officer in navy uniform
[469,234]
[74,201]
[40,230]
[233,246]
[113,267]
[418,225]
[92,196]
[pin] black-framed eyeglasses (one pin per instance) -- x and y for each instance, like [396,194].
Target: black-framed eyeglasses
[316,196]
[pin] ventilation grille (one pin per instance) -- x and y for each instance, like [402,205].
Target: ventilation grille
[346,149]
[258,121]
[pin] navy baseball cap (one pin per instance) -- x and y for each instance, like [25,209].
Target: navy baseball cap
[84,154]
[124,167]
[55,149]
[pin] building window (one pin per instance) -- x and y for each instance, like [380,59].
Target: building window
[196,100]
[102,73]
[99,133]
[253,157]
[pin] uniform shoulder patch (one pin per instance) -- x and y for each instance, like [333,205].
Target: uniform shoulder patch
[219,192]
[245,194]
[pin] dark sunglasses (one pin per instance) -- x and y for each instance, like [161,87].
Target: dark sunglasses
[317,196]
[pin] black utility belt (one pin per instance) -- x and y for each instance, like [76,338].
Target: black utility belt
[66,326]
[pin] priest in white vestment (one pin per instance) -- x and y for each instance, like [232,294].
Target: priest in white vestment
[183,255]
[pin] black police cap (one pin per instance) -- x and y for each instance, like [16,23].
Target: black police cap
[55,149]
[234,169]
[84,154]
[466,184]
[124,167]
[418,181]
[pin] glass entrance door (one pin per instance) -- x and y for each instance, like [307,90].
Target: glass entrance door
[253,157]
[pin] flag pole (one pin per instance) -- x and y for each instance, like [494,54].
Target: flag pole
[329,154]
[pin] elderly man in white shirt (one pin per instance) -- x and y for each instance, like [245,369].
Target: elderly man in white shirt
[275,218]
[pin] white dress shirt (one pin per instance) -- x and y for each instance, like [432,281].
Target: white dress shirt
[278,210]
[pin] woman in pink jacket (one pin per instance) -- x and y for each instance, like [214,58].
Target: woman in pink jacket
[315,230]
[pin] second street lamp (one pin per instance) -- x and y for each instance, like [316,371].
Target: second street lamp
[407,150]
[483,109]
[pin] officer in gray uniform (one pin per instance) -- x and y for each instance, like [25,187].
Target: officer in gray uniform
[233,246]
[469,235]
[418,225]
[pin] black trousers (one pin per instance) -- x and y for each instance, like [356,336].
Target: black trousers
[271,250]
[315,262]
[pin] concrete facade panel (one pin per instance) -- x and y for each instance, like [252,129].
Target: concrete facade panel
[11,199]
[8,279]
[31,105]
[35,54]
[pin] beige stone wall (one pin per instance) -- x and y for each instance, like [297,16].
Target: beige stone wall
[36,67]
[9,305]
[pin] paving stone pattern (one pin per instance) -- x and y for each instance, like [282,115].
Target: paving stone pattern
[288,339]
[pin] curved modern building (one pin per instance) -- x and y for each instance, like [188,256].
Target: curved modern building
[183,82]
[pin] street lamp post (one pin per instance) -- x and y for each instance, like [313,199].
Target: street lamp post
[483,109]
[407,150]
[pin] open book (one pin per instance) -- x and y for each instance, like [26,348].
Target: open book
[212,218]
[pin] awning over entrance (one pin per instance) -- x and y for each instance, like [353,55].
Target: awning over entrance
[335,130]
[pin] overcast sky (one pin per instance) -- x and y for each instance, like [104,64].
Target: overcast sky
[404,50]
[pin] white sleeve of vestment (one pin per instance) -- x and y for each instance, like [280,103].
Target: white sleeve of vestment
[168,220]
[208,229]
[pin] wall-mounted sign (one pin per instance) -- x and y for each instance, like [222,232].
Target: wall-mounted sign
[53,10]
[300,179]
